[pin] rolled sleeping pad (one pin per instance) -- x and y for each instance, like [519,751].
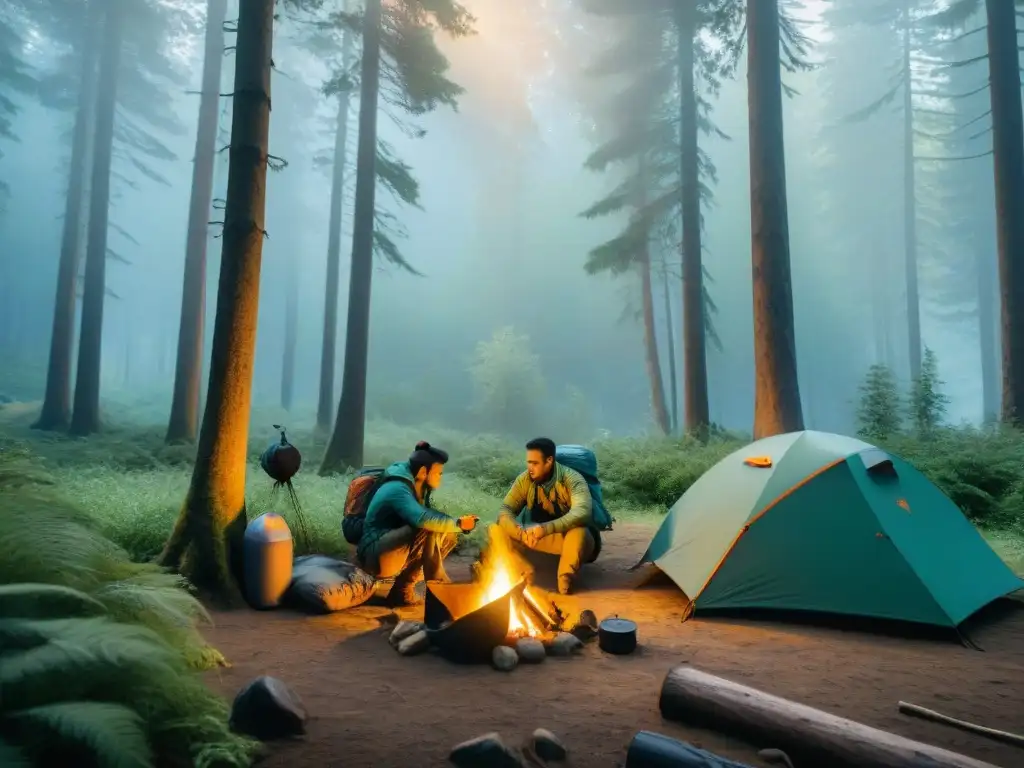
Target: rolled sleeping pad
[652,750]
[267,556]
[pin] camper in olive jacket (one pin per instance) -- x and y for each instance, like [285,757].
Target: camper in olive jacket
[402,536]
[549,509]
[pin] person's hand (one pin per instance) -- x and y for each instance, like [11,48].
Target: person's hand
[532,534]
[467,523]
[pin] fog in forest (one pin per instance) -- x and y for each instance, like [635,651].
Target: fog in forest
[496,324]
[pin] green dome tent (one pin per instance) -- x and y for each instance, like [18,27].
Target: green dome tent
[810,521]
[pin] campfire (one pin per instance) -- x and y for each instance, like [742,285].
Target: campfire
[499,574]
[467,622]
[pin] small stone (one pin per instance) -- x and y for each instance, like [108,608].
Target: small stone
[504,659]
[267,709]
[586,627]
[547,746]
[415,643]
[487,751]
[403,630]
[565,644]
[530,650]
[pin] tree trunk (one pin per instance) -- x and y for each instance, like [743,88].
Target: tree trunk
[291,337]
[345,448]
[987,337]
[807,735]
[1008,162]
[188,370]
[56,411]
[651,342]
[85,418]
[325,406]
[206,538]
[671,345]
[777,390]
[695,367]
[910,207]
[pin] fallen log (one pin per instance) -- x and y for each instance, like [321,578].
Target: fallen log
[809,736]
[937,717]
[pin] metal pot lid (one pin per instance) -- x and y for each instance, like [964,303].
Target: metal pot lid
[618,626]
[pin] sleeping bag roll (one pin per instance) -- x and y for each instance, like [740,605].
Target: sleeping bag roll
[268,560]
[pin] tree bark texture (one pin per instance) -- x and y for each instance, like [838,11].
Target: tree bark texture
[325,406]
[651,356]
[345,449]
[205,542]
[694,336]
[670,344]
[1008,163]
[55,414]
[987,299]
[85,417]
[807,735]
[910,207]
[291,339]
[777,406]
[188,370]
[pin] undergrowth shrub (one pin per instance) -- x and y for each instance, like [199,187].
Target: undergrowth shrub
[99,655]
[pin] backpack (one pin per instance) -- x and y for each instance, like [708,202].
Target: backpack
[357,501]
[584,461]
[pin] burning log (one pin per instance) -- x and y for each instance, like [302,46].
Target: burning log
[807,734]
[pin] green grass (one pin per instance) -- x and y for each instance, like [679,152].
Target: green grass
[134,484]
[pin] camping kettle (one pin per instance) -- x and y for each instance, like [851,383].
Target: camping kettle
[617,636]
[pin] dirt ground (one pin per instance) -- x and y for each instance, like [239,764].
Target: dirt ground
[370,707]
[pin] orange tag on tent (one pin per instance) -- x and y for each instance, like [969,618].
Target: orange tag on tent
[902,504]
[758,461]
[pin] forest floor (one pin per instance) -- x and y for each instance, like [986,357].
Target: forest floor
[370,706]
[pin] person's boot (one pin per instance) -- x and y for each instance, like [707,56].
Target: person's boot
[565,583]
[403,592]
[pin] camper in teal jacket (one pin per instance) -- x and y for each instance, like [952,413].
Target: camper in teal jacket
[402,536]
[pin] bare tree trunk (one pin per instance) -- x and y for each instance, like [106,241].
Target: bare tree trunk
[671,345]
[206,538]
[85,418]
[651,342]
[325,406]
[987,337]
[777,406]
[910,207]
[291,337]
[1008,162]
[188,370]
[56,411]
[695,367]
[345,448]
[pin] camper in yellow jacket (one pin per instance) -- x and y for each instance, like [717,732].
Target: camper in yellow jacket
[549,509]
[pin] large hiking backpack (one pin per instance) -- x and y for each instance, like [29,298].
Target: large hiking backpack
[584,461]
[357,501]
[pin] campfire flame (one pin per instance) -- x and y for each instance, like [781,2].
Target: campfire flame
[500,570]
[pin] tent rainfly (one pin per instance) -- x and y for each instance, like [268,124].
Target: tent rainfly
[810,521]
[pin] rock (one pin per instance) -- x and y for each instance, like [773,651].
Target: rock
[565,644]
[414,644]
[547,746]
[487,751]
[530,650]
[586,627]
[504,658]
[403,630]
[267,709]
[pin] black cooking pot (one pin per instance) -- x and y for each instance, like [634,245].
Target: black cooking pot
[617,636]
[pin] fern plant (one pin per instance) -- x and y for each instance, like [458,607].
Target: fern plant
[98,655]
